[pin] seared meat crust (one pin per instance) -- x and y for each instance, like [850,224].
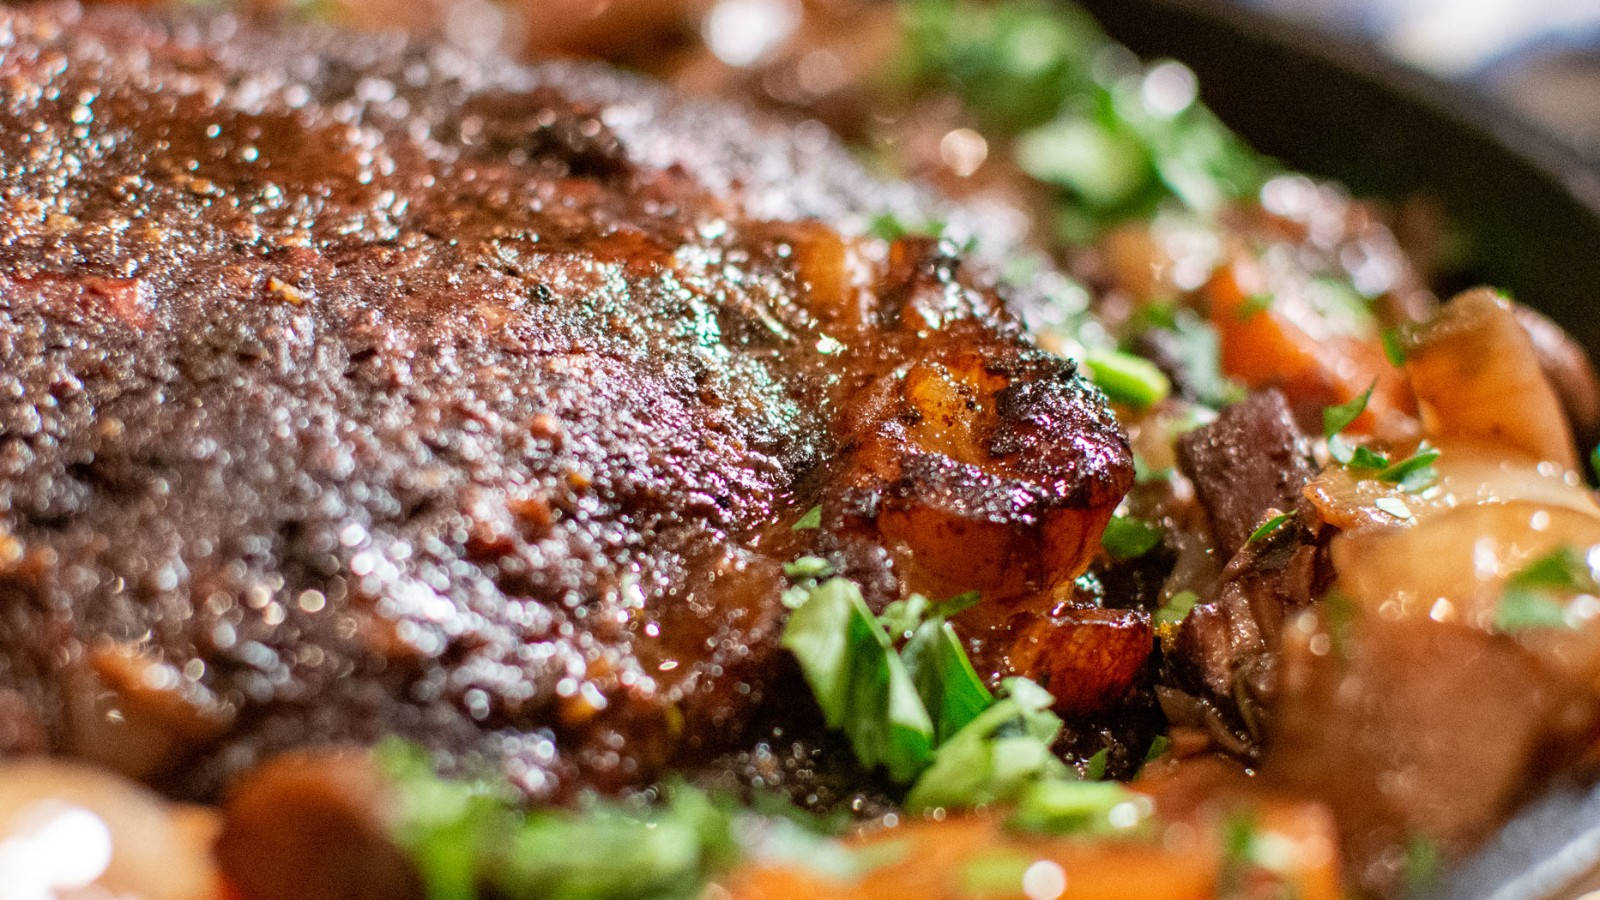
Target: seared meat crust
[351,386]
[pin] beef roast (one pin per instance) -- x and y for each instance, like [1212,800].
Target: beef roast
[353,386]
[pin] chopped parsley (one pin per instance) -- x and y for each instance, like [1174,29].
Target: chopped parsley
[1127,379]
[1394,347]
[469,838]
[1177,608]
[944,677]
[1336,419]
[1412,474]
[1423,865]
[1255,303]
[923,714]
[1537,595]
[1267,528]
[1158,748]
[890,227]
[1094,768]
[1128,538]
[811,520]
[859,681]
[1113,142]
[808,567]
[1415,472]
[1362,457]
[1080,807]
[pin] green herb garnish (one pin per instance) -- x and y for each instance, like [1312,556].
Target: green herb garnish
[1080,807]
[1255,303]
[469,838]
[1337,418]
[1127,379]
[948,685]
[997,756]
[811,519]
[1175,610]
[1423,865]
[859,682]
[1536,596]
[1415,472]
[1269,526]
[1394,347]
[1127,538]
[808,567]
[1094,768]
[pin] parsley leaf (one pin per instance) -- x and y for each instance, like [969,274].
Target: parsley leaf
[469,837]
[1127,538]
[1175,610]
[859,682]
[1255,303]
[808,567]
[1415,472]
[996,756]
[1337,418]
[1536,595]
[890,227]
[1127,379]
[1394,347]
[1094,768]
[902,617]
[1423,864]
[1269,526]
[950,688]
[1079,807]
[811,519]
[1367,458]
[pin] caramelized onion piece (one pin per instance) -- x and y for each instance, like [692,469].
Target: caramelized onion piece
[1470,473]
[1453,568]
[66,826]
[1477,376]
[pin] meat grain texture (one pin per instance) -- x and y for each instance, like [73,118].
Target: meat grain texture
[352,386]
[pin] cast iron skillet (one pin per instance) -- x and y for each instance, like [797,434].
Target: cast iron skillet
[1531,209]
[1336,108]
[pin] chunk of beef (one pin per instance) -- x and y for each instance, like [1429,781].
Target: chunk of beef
[351,385]
[1251,460]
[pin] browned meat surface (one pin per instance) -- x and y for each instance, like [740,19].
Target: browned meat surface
[352,386]
[1247,466]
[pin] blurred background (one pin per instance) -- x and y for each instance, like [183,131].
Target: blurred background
[1540,57]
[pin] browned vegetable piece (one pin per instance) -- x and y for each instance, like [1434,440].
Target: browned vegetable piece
[1086,658]
[1567,367]
[1414,729]
[313,825]
[1477,376]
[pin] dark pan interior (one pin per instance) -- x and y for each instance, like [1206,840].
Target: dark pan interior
[1331,107]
